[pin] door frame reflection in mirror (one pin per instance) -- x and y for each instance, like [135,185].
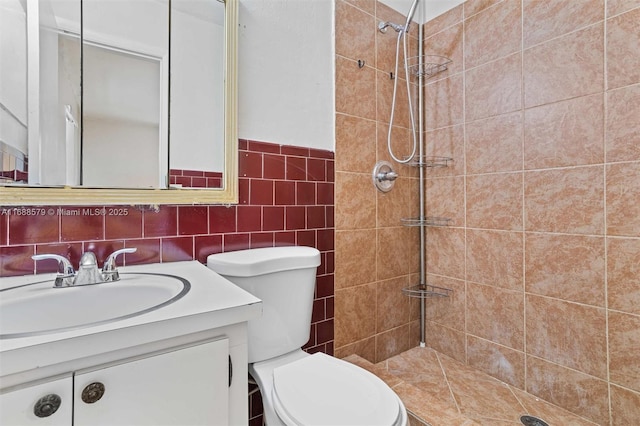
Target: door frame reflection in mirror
[20,195]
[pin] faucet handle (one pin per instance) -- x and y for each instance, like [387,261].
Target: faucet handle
[65,270]
[109,269]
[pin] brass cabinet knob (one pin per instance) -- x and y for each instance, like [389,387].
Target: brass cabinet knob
[92,392]
[47,405]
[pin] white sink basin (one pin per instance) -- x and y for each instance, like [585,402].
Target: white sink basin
[37,308]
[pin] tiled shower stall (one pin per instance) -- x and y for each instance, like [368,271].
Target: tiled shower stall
[540,111]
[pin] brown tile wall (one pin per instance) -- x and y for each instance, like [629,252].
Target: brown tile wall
[542,118]
[375,255]
[286,198]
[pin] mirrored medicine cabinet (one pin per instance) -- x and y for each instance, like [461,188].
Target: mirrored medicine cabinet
[114,102]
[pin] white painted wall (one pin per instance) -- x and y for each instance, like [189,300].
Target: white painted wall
[286,72]
[286,68]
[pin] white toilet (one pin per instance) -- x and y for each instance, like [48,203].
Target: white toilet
[298,388]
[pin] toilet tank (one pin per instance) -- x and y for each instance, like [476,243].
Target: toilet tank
[284,279]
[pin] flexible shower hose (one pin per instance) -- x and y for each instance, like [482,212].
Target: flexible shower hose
[402,34]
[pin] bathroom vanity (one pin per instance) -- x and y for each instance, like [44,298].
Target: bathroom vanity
[177,361]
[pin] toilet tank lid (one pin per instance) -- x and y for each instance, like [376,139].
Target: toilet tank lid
[252,262]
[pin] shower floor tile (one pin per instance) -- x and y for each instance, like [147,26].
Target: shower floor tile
[440,391]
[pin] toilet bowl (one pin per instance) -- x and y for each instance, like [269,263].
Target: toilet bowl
[302,389]
[298,388]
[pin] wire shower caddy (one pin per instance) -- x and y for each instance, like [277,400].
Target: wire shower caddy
[424,67]
[427,66]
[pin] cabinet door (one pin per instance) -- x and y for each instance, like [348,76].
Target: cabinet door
[44,404]
[188,386]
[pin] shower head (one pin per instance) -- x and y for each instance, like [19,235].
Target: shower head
[412,12]
[382,26]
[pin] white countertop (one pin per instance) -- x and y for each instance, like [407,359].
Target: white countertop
[212,302]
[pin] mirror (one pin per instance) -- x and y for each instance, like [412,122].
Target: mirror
[133,124]
[125,92]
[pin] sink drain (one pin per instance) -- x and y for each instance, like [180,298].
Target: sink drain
[532,421]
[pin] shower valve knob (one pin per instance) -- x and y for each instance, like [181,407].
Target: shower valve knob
[384,176]
[387,176]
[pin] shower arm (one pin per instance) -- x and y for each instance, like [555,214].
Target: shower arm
[382,26]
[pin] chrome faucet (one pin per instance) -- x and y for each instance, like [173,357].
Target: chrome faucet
[88,272]
[109,268]
[66,274]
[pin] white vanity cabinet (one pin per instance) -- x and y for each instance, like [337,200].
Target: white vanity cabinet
[52,400]
[183,364]
[188,385]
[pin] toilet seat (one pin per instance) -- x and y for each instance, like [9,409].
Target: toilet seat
[323,390]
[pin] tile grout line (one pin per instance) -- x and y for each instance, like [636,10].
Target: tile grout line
[524,210]
[375,196]
[446,379]
[464,185]
[604,206]
[524,408]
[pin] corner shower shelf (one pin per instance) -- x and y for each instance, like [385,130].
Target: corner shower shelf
[424,291]
[426,221]
[428,65]
[430,161]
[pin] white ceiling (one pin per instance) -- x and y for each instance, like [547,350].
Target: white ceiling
[428,9]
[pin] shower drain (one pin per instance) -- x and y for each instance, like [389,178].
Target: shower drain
[532,421]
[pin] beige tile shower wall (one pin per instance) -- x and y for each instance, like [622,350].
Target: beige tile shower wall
[375,255]
[541,113]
